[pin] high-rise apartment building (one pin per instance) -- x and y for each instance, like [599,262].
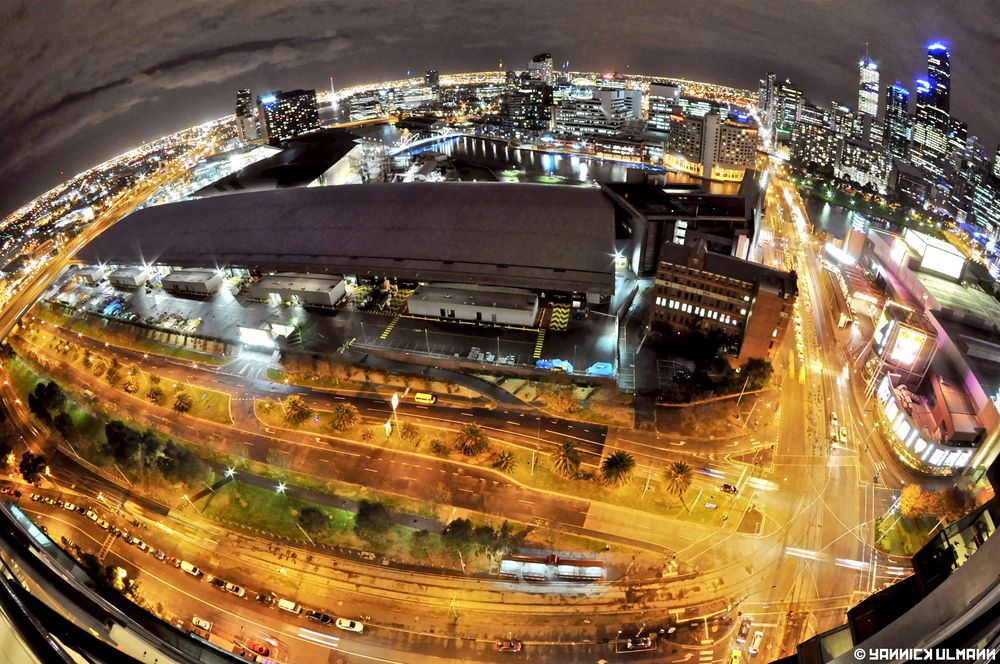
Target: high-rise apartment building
[712,146]
[897,121]
[766,98]
[246,116]
[540,68]
[285,115]
[528,105]
[868,87]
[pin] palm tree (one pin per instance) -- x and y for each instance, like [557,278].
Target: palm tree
[678,480]
[617,468]
[566,459]
[504,461]
[368,435]
[296,410]
[345,416]
[408,431]
[471,440]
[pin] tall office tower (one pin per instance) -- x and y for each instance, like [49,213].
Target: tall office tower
[897,120]
[540,68]
[996,163]
[246,118]
[662,99]
[868,87]
[787,99]
[284,115]
[939,75]
[929,143]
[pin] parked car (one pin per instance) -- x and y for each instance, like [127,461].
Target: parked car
[267,599]
[159,555]
[319,617]
[509,646]
[218,583]
[234,589]
[729,488]
[201,623]
[843,435]
[350,625]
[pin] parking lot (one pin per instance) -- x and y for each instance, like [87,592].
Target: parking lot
[585,341]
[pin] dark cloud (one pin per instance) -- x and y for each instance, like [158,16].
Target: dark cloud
[83,81]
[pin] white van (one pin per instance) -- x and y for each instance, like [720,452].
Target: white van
[758,636]
[424,397]
[190,569]
[290,606]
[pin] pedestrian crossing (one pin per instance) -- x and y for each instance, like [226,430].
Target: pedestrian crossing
[538,345]
[560,317]
[388,329]
[705,656]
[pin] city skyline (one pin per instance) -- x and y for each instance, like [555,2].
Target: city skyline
[72,114]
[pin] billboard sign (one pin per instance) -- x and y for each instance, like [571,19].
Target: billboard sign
[908,344]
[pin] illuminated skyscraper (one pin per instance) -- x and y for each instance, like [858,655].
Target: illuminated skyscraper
[897,120]
[246,118]
[939,75]
[929,145]
[540,68]
[284,115]
[868,87]
[996,163]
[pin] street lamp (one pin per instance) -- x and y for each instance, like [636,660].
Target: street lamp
[395,404]
[230,472]
[280,488]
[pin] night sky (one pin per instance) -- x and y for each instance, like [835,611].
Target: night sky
[84,81]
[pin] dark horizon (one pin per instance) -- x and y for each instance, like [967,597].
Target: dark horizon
[144,71]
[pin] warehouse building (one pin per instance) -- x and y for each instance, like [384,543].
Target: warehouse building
[303,289]
[542,238]
[89,275]
[192,282]
[129,276]
[503,306]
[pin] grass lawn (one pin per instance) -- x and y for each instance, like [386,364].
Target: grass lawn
[207,404]
[251,507]
[377,381]
[104,331]
[630,495]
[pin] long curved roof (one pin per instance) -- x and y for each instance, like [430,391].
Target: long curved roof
[529,235]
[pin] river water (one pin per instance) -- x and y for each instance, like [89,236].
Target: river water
[524,165]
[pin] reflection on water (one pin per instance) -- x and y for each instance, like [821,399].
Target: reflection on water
[833,219]
[511,163]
